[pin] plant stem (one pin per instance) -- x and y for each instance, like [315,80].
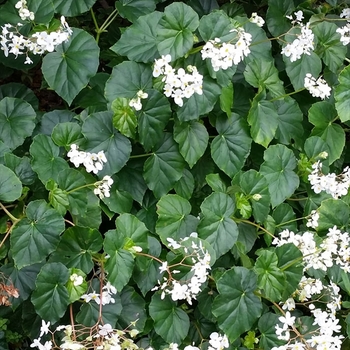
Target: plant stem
[13,219]
[80,187]
[142,155]
[289,221]
[256,225]
[285,95]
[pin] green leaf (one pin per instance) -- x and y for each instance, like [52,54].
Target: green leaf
[203,7]
[124,117]
[266,325]
[21,167]
[23,280]
[10,185]
[192,138]
[263,74]
[216,183]
[133,9]
[170,322]
[278,169]
[342,103]
[329,47]
[231,147]
[127,79]
[198,105]
[64,134]
[153,118]
[76,60]
[276,20]
[77,246]
[50,297]
[100,133]
[43,10]
[270,278]
[175,30]
[134,309]
[89,313]
[36,236]
[290,262]
[297,70]
[75,292]
[216,25]
[289,121]
[119,201]
[314,145]
[284,217]
[50,119]
[322,114]
[16,121]
[252,183]
[45,158]
[333,212]
[185,186]
[217,227]
[226,99]
[72,8]
[21,91]
[139,41]
[236,307]
[263,120]
[164,168]
[174,219]
[92,216]
[120,264]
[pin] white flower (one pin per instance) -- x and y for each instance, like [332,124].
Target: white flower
[76,279]
[103,187]
[105,329]
[218,342]
[44,329]
[163,267]
[317,88]
[256,19]
[287,319]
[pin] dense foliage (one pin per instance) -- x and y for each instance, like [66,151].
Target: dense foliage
[173,174]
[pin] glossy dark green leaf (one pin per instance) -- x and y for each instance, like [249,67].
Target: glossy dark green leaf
[276,16]
[192,138]
[170,322]
[333,212]
[216,25]
[289,121]
[101,135]
[284,217]
[46,161]
[133,9]
[226,99]
[270,278]
[76,291]
[153,118]
[64,134]
[139,41]
[329,47]
[124,117]
[175,30]
[10,185]
[203,7]
[127,79]
[77,246]
[50,119]
[217,227]
[119,201]
[322,114]
[236,307]
[164,168]
[174,219]
[278,169]
[231,147]
[21,91]
[92,216]
[21,167]
[342,103]
[266,325]
[37,235]
[120,264]
[71,7]
[263,74]
[17,121]
[77,61]
[43,10]
[263,120]
[185,186]
[50,297]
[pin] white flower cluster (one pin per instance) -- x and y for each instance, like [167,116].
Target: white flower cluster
[44,329]
[178,85]
[345,31]
[304,42]
[103,187]
[93,162]
[223,55]
[313,219]
[216,342]
[136,101]
[334,249]
[105,298]
[185,290]
[325,320]
[317,87]
[76,279]
[335,185]
[259,21]
[12,41]
[23,11]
